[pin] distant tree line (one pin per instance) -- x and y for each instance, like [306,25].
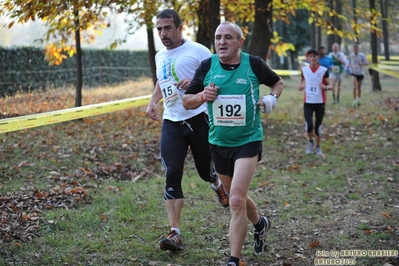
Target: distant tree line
[72,22]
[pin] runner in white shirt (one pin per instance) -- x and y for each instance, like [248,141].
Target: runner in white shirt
[181,128]
[357,61]
[315,83]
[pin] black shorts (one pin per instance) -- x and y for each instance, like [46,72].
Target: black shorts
[224,157]
[358,77]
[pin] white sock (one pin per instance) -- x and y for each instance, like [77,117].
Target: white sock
[175,229]
[218,185]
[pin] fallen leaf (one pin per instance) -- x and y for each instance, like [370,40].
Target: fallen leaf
[386,215]
[265,183]
[103,217]
[389,230]
[300,256]
[17,245]
[314,244]
[293,167]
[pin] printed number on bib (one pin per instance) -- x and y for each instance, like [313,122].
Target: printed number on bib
[169,92]
[312,89]
[229,110]
[335,69]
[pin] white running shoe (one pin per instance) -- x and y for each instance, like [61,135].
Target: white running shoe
[309,149]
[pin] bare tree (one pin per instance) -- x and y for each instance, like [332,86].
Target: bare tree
[384,13]
[375,75]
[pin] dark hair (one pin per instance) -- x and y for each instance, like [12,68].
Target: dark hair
[170,13]
[322,47]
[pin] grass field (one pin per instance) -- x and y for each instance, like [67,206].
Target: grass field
[90,192]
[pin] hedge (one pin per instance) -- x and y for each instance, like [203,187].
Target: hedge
[25,69]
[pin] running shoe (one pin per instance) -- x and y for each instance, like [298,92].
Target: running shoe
[235,264]
[223,197]
[172,242]
[318,151]
[355,103]
[309,149]
[260,237]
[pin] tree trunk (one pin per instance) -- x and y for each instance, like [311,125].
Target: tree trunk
[215,19]
[330,38]
[208,20]
[263,29]
[319,37]
[203,34]
[313,33]
[385,31]
[355,18]
[375,76]
[294,59]
[151,53]
[79,68]
[338,25]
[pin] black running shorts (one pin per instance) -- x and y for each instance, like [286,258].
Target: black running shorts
[225,157]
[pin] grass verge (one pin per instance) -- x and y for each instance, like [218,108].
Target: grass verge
[106,184]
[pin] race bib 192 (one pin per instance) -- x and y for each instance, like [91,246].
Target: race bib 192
[229,110]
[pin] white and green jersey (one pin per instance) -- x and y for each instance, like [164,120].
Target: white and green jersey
[172,66]
[338,67]
[234,116]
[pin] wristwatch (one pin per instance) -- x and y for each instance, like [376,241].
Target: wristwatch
[274,95]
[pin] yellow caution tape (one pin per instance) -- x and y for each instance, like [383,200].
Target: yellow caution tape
[286,72]
[42,119]
[386,62]
[387,67]
[382,57]
[387,70]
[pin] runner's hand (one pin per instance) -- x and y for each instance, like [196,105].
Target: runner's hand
[152,111]
[267,104]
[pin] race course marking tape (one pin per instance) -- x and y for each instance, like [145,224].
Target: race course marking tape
[387,70]
[286,72]
[42,119]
